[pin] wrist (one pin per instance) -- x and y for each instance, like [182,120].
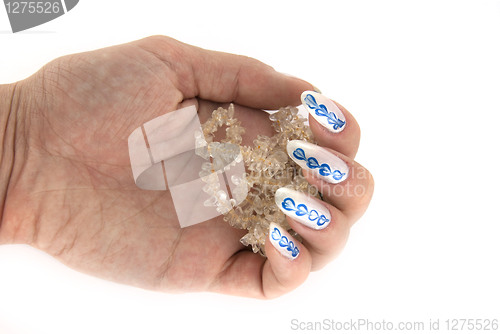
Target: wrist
[9,133]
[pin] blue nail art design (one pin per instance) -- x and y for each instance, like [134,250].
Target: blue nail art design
[321,110]
[302,210]
[284,242]
[323,169]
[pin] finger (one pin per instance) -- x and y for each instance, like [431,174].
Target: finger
[342,182]
[323,227]
[324,245]
[333,126]
[224,77]
[288,263]
[251,275]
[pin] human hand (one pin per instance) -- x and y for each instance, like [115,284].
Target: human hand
[72,195]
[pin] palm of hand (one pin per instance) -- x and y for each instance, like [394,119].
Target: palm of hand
[90,214]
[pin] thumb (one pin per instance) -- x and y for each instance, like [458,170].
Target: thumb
[224,77]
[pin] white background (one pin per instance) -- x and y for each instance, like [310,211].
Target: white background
[423,80]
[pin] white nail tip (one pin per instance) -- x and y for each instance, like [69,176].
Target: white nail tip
[302,208]
[324,110]
[325,165]
[283,242]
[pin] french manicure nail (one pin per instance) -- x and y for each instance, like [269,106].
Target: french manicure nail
[283,242]
[303,208]
[325,165]
[324,110]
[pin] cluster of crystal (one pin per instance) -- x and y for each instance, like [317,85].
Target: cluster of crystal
[268,168]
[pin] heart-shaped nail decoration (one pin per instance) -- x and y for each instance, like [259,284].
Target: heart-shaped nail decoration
[313,215]
[302,207]
[301,210]
[288,204]
[326,165]
[283,241]
[322,220]
[337,175]
[329,116]
[276,234]
[325,170]
[299,154]
[312,163]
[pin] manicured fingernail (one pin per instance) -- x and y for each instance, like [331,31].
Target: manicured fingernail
[303,208]
[324,110]
[283,242]
[325,165]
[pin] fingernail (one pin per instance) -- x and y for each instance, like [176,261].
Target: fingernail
[283,242]
[324,110]
[325,165]
[303,208]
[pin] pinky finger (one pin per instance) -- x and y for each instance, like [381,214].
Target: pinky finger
[251,275]
[288,263]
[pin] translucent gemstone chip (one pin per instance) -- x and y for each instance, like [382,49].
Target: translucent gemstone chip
[268,168]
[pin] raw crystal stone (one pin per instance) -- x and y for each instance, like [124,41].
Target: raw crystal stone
[268,168]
